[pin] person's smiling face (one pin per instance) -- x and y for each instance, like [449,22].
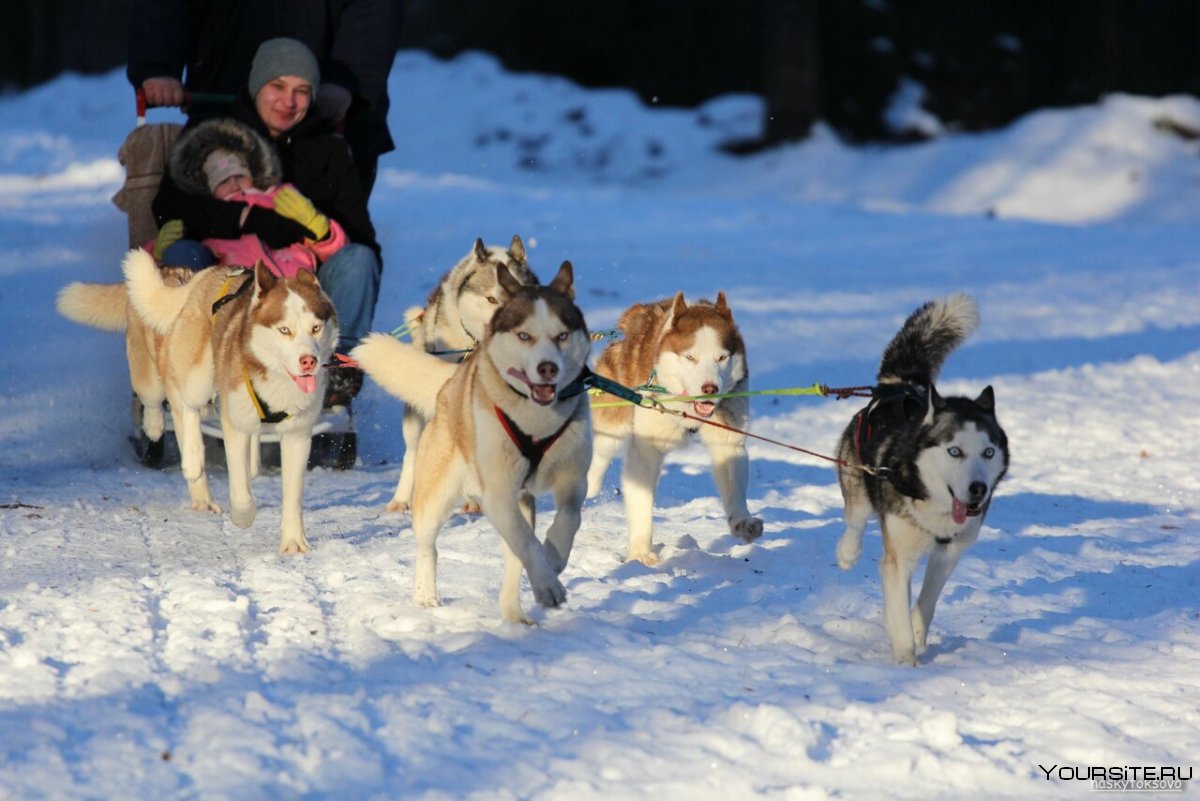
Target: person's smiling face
[282,102]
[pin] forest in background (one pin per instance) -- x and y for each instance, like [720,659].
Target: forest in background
[981,64]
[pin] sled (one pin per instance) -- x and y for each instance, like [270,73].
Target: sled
[144,155]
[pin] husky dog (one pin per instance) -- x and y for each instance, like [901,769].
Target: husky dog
[926,465]
[451,324]
[256,342]
[687,351]
[106,306]
[509,422]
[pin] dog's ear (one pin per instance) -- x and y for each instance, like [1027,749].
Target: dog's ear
[479,250]
[517,248]
[510,285]
[263,277]
[564,281]
[307,277]
[986,399]
[722,307]
[678,305]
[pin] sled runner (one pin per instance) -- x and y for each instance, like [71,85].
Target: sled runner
[144,155]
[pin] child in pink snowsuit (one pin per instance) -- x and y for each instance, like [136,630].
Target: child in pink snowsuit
[226,160]
[229,179]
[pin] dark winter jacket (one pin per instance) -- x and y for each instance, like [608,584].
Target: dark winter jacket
[312,157]
[354,40]
[187,170]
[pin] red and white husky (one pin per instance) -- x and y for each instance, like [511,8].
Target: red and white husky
[258,343]
[688,351]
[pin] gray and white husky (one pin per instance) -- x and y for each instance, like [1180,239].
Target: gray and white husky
[451,324]
[936,460]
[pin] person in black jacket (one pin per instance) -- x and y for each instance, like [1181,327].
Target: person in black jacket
[214,41]
[276,102]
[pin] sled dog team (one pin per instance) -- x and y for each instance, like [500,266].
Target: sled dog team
[497,411]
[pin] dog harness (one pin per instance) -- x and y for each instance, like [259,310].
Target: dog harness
[889,401]
[224,296]
[534,450]
[265,415]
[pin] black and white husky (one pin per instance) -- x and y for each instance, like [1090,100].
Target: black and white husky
[926,465]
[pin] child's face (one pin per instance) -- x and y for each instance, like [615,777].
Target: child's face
[232,185]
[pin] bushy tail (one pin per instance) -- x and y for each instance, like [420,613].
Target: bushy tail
[929,335]
[408,372]
[97,305]
[156,303]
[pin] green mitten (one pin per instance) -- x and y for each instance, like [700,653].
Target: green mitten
[290,203]
[169,234]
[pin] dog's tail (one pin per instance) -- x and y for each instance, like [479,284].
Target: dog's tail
[407,372]
[158,304]
[929,335]
[97,305]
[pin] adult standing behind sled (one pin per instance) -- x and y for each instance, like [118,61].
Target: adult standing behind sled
[214,41]
[276,103]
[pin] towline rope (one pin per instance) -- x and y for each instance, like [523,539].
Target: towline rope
[601,384]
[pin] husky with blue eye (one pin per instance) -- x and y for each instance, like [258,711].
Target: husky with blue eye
[450,325]
[510,422]
[256,342]
[926,465]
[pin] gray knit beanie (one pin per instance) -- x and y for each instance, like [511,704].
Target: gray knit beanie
[276,57]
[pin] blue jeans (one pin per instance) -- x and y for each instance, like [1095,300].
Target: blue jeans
[188,253]
[351,280]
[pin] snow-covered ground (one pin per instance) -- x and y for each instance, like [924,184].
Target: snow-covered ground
[148,651]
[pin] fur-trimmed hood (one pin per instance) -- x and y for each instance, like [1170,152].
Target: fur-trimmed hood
[194,146]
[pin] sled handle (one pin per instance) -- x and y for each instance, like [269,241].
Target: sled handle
[188,97]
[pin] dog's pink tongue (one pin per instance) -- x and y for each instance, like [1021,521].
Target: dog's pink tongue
[307,383]
[958,511]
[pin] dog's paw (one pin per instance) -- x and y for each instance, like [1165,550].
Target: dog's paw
[747,529]
[293,545]
[905,657]
[154,428]
[397,506]
[647,558]
[551,593]
[515,614]
[202,505]
[848,552]
[243,516]
[425,596]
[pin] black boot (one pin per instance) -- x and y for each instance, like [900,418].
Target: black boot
[344,384]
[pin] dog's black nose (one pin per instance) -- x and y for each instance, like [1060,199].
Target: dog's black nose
[547,371]
[977,491]
[709,389]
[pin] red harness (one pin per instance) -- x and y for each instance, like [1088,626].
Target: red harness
[534,450]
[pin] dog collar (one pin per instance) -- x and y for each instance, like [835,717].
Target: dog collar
[265,415]
[534,450]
